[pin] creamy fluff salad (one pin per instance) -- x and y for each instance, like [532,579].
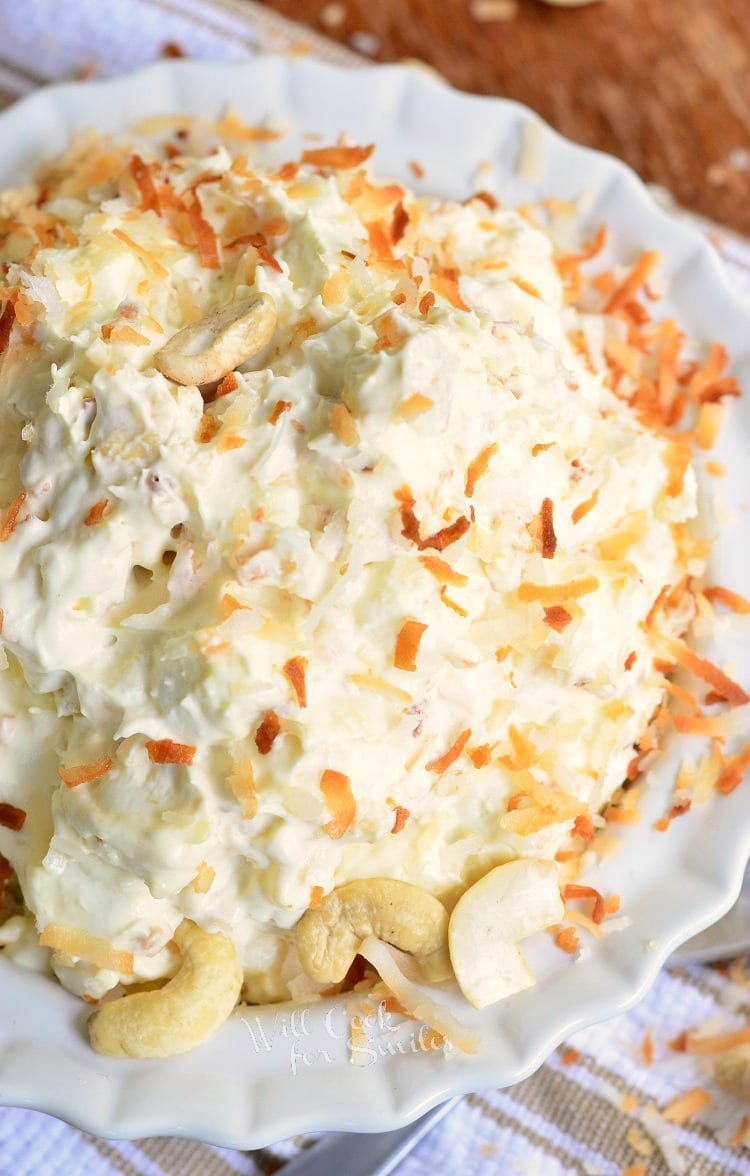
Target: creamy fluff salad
[378,603]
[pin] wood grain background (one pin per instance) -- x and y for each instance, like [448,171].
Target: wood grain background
[664,84]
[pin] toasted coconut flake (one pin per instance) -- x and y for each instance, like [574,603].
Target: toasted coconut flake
[260,245]
[526,287]
[447,535]
[711,1043]
[340,802]
[267,732]
[371,682]
[11,817]
[203,880]
[95,514]
[717,391]
[566,939]
[707,672]
[11,518]
[584,921]
[621,816]
[415,406]
[733,771]
[399,222]
[639,1141]
[343,425]
[707,726]
[583,826]
[732,600]
[569,1056]
[677,810]
[388,331]
[276,227]
[126,334]
[379,242]
[294,672]
[676,458]
[573,890]
[583,508]
[442,571]
[617,545]
[150,262]
[449,757]
[7,318]
[410,523]
[739,1134]
[83,946]
[203,234]
[279,409]
[229,441]
[230,604]
[407,645]
[710,417]
[338,158]
[400,817]
[548,538]
[554,593]
[166,751]
[615,709]
[453,605]
[705,377]
[480,756]
[228,384]
[208,427]
[685,1106]
[85,773]
[383,958]
[637,277]
[478,467]
[144,182]
[242,785]
[445,283]
[557,617]
[335,287]
[647,1049]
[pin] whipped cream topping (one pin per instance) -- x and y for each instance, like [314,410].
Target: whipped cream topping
[390,577]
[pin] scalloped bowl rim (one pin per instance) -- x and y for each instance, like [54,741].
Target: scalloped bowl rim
[245,1087]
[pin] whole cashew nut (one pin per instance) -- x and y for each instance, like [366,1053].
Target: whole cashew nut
[329,936]
[220,342]
[180,1015]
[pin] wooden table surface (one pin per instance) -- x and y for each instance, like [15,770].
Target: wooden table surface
[664,84]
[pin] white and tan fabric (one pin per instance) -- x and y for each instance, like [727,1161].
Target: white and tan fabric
[596,1108]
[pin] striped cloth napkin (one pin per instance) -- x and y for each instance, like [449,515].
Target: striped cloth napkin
[620,1099]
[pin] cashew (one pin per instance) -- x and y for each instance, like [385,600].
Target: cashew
[188,1009]
[329,936]
[512,901]
[220,342]
[732,1071]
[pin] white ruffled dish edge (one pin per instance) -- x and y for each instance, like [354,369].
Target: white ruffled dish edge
[271,1073]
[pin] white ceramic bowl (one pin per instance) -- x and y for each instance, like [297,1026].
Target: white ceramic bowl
[270,1073]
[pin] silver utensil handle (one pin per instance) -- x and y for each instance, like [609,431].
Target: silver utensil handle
[347,1154]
